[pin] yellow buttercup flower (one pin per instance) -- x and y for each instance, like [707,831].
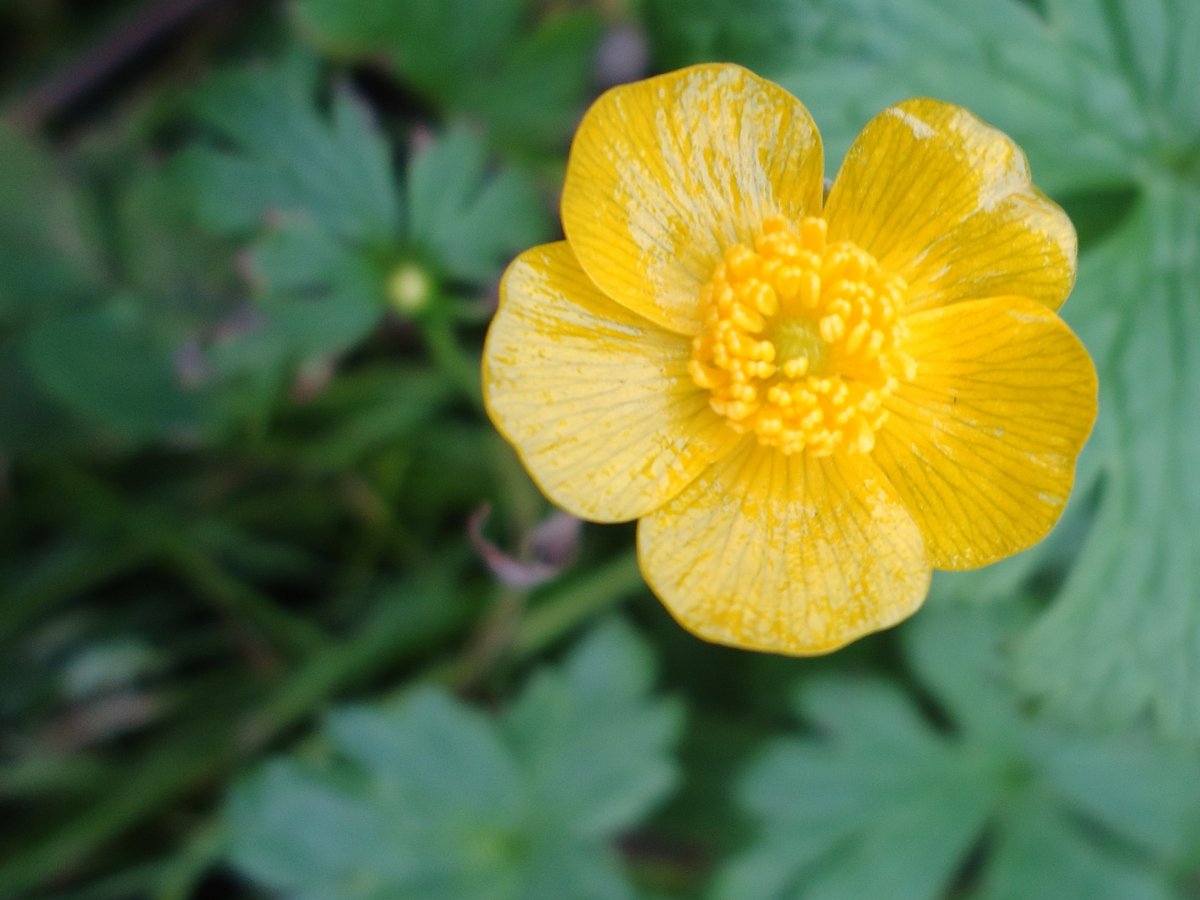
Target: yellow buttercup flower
[809,403]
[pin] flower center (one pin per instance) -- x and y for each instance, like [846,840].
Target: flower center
[802,340]
[795,340]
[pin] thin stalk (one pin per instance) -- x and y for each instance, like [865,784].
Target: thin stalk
[566,608]
[182,872]
[493,639]
[72,571]
[459,368]
[292,633]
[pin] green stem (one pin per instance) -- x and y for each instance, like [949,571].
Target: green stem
[492,639]
[161,777]
[132,882]
[145,535]
[458,367]
[183,871]
[40,774]
[67,571]
[567,607]
[400,628]
[240,600]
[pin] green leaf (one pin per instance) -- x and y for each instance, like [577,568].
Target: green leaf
[424,799]
[596,700]
[1128,784]
[761,34]
[434,799]
[283,155]
[1121,643]
[322,191]
[1038,854]
[469,222]
[535,97]
[557,862]
[1154,46]
[1058,89]
[79,353]
[474,59]
[162,251]
[46,263]
[111,367]
[320,296]
[959,659]
[295,830]
[32,421]
[880,802]
[324,184]
[437,758]
[437,45]
[883,808]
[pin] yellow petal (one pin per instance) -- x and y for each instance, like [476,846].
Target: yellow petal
[981,446]
[667,173]
[597,400]
[790,554]
[946,201]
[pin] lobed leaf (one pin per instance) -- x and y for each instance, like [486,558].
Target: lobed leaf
[108,366]
[526,84]
[880,802]
[46,261]
[469,221]
[1121,642]
[283,155]
[434,799]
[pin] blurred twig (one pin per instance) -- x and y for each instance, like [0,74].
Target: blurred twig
[76,79]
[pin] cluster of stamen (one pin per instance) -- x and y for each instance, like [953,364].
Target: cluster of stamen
[802,340]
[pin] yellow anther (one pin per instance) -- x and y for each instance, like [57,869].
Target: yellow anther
[741,262]
[765,300]
[857,336]
[802,340]
[832,327]
[812,233]
[809,283]
[747,319]
[795,368]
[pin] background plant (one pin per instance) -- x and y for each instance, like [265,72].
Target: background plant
[253,643]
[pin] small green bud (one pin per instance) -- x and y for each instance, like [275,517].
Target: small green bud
[409,289]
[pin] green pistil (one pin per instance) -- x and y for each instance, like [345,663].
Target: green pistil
[798,339]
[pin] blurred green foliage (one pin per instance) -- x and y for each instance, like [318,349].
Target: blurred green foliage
[881,802]
[250,647]
[443,802]
[523,77]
